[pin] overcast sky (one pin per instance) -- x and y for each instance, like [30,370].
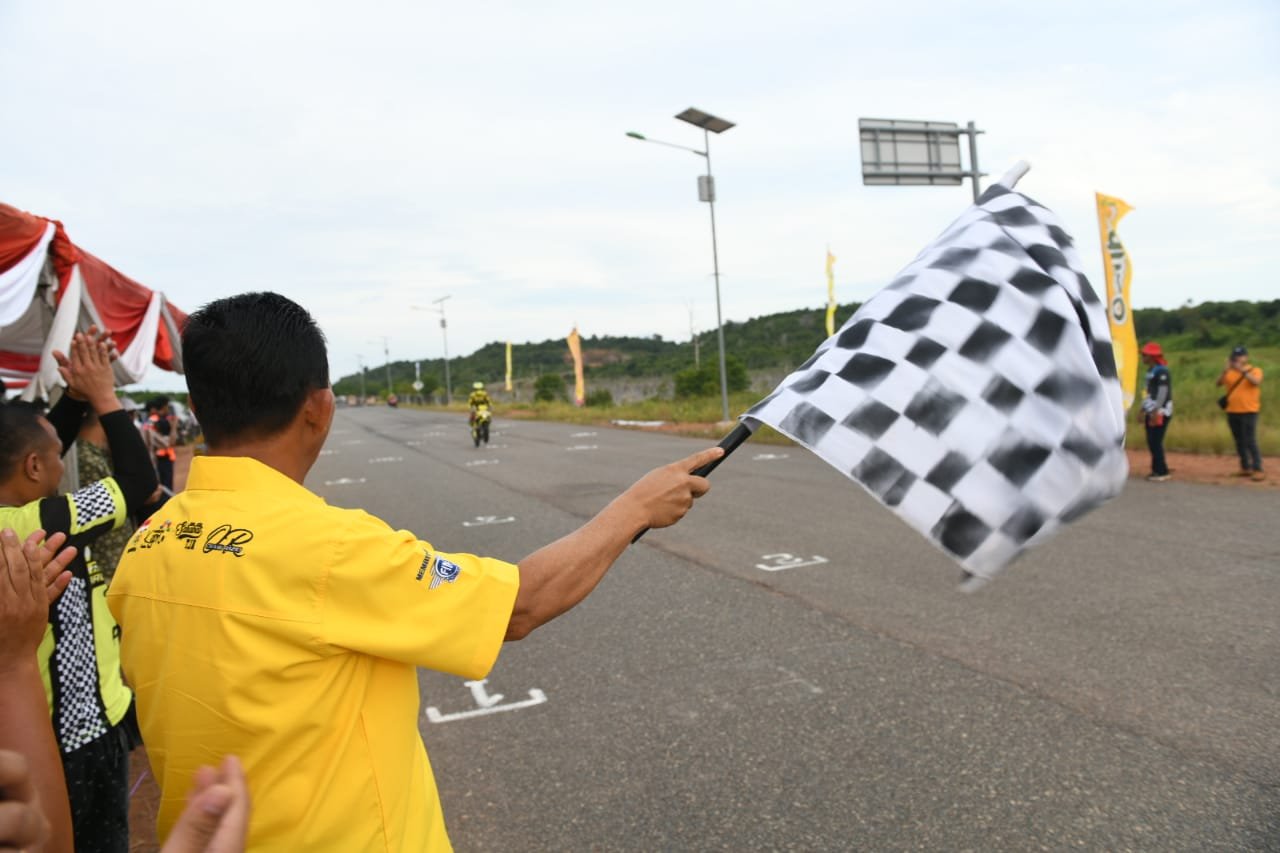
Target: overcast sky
[363,158]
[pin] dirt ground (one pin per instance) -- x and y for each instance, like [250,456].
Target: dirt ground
[1201,468]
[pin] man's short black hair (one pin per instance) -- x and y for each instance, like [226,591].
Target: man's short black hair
[251,361]
[156,404]
[20,433]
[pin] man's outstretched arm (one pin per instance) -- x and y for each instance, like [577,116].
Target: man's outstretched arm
[555,578]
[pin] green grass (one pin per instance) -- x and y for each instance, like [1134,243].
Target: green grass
[1198,426]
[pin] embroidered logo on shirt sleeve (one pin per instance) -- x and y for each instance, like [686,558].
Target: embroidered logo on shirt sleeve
[444,572]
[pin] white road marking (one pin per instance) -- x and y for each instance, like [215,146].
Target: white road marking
[582,435]
[474,462]
[583,447]
[327,452]
[765,457]
[378,459]
[483,520]
[781,562]
[413,443]
[344,481]
[486,704]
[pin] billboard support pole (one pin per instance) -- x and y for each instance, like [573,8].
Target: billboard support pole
[974,174]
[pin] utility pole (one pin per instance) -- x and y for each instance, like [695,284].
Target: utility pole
[386,353]
[697,362]
[444,334]
[360,361]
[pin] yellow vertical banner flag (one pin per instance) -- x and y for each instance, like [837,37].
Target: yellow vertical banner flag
[1118,271]
[509,385]
[831,293]
[579,384]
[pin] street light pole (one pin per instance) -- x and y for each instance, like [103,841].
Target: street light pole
[706,192]
[444,334]
[715,262]
[360,361]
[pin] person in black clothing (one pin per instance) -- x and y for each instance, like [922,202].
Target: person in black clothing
[1157,408]
[91,708]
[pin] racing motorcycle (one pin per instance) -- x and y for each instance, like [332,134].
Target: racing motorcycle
[480,424]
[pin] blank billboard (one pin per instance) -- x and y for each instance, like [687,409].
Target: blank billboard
[922,153]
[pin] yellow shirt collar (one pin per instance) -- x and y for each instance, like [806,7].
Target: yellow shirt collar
[243,474]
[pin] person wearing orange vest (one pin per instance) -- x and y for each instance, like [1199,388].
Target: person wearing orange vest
[159,434]
[1243,382]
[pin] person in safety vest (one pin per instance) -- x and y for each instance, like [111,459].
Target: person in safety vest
[92,708]
[158,433]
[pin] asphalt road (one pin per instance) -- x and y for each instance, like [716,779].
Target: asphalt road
[1118,689]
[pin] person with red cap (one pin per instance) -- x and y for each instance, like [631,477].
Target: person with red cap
[1157,407]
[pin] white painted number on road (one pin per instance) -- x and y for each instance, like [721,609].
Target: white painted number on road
[583,447]
[779,562]
[766,457]
[377,459]
[486,703]
[344,481]
[474,462]
[482,520]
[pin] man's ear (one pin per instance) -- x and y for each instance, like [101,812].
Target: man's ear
[31,467]
[318,410]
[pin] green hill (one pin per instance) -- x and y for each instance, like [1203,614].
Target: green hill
[785,340]
[775,340]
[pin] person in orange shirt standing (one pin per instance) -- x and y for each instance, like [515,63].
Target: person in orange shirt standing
[1242,402]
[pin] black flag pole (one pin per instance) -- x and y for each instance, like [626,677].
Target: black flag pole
[730,443]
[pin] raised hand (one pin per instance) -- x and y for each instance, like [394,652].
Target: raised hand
[88,372]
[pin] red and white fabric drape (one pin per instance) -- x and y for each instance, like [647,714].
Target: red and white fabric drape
[50,288]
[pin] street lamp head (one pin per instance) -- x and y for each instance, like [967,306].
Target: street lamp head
[706,121]
[635,135]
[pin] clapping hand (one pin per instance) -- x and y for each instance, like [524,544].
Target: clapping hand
[88,371]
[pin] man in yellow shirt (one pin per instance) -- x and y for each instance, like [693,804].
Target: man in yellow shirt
[261,622]
[1243,382]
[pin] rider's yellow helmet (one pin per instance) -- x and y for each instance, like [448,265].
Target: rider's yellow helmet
[479,386]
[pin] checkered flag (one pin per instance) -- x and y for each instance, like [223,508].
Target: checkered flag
[976,396]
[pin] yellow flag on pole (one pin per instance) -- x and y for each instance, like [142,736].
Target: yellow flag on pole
[579,384]
[831,293]
[509,386]
[1118,271]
